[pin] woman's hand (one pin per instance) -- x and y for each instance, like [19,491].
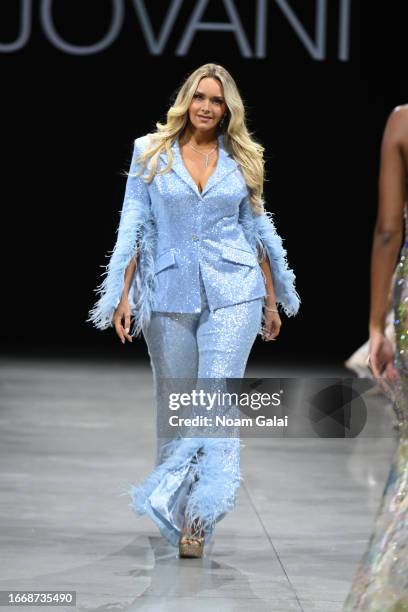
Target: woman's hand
[380,358]
[271,325]
[121,320]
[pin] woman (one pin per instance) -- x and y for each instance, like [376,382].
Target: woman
[185,265]
[381,582]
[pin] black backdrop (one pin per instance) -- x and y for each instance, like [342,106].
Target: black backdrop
[70,118]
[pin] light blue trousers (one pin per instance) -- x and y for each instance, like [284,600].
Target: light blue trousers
[195,477]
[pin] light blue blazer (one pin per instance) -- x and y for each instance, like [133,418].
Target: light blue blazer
[172,230]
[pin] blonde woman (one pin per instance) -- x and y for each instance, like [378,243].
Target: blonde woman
[200,267]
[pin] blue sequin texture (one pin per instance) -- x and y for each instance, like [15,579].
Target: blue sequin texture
[174,232]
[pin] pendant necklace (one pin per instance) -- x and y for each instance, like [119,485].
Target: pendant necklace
[206,155]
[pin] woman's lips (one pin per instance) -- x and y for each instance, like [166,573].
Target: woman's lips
[204,118]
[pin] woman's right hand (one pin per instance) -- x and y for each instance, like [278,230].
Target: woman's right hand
[121,320]
[381,357]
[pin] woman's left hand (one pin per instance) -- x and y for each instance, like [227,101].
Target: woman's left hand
[381,358]
[271,325]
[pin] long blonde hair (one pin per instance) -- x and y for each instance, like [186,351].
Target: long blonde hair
[246,152]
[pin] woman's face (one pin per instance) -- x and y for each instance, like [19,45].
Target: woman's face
[208,105]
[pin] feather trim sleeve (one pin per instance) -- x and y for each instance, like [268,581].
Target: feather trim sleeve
[134,237]
[262,236]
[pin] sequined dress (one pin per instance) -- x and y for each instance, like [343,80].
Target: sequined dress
[381,581]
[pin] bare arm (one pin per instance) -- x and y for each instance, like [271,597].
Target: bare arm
[271,319]
[122,311]
[130,270]
[388,230]
[270,297]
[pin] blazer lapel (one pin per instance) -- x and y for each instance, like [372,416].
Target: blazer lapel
[225,165]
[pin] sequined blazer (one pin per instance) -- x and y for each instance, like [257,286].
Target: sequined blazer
[172,230]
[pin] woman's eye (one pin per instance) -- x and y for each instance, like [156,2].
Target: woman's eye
[215,101]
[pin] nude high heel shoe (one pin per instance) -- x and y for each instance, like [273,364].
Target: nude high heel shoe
[191,543]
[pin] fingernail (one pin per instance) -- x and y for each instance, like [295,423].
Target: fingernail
[127,330]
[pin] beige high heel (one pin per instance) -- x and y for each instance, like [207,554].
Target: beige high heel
[191,543]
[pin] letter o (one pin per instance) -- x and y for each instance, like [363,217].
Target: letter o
[53,36]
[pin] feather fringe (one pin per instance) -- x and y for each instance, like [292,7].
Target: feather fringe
[218,473]
[179,453]
[214,463]
[136,239]
[269,243]
[262,236]
[144,282]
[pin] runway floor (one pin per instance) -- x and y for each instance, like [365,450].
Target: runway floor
[73,436]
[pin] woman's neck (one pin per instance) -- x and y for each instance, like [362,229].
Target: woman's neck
[198,138]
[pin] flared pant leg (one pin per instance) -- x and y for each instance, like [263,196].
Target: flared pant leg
[195,477]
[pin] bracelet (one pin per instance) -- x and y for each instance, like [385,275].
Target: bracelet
[271,309]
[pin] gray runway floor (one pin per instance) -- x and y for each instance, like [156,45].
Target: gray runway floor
[74,435]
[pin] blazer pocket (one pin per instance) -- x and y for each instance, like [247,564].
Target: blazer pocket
[238,255]
[165,260]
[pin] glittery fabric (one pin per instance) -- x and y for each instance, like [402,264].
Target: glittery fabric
[381,581]
[197,297]
[195,477]
[173,230]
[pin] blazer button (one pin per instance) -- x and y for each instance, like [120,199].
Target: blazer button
[194,237]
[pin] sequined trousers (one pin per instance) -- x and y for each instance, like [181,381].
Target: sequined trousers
[381,581]
[195,477]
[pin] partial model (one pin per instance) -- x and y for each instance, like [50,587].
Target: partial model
[381,581]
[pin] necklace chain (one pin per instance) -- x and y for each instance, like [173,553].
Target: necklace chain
[206,155]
